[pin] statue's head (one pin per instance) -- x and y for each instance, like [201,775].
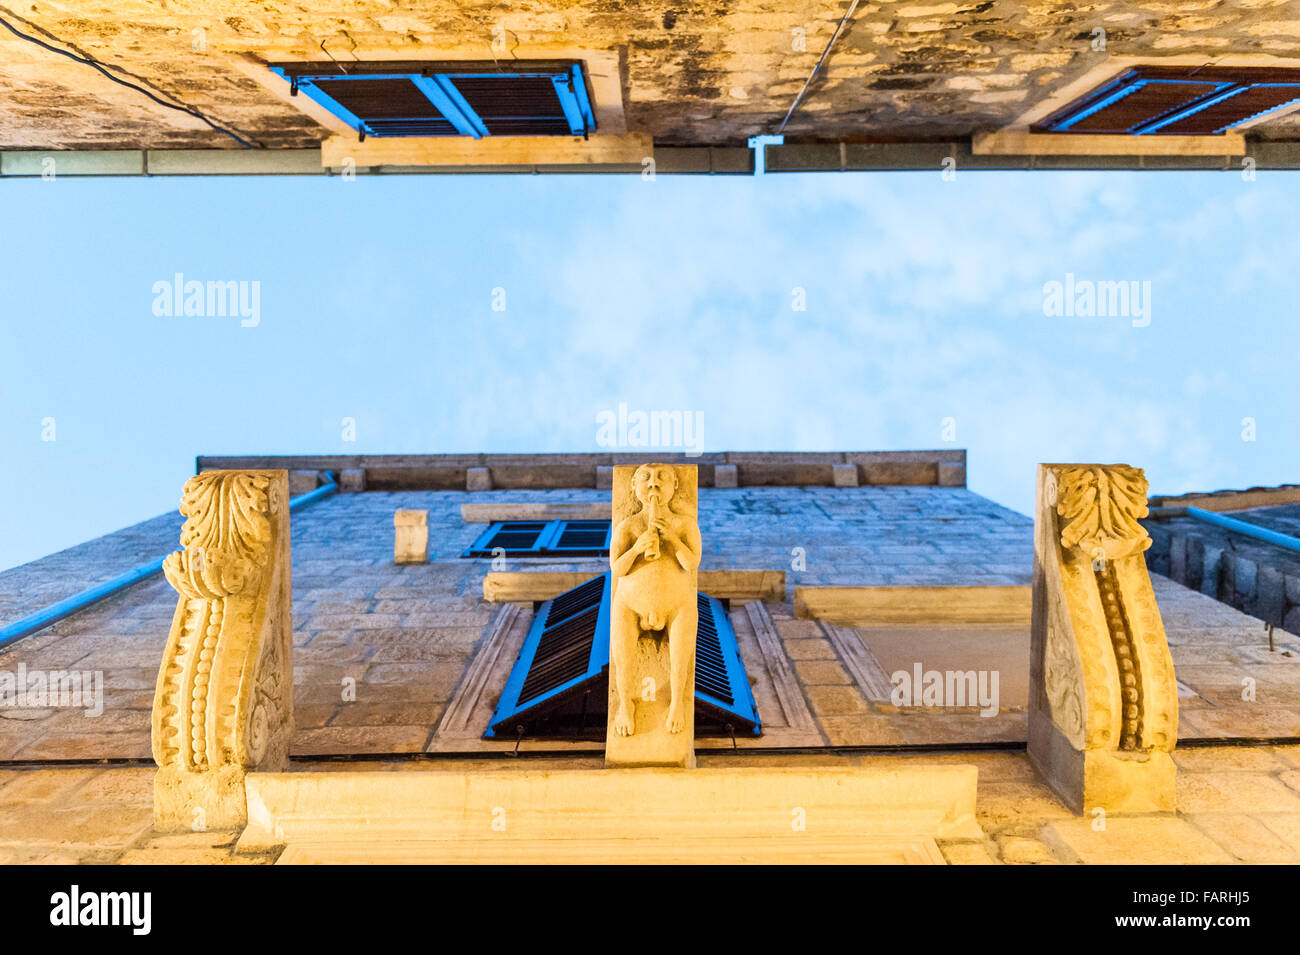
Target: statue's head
[654,481]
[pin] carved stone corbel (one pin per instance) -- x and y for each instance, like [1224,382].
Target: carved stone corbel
[224,701]
[654,616]
[1103,707]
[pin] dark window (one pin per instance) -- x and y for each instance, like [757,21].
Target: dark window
[522,98]
[1186,101]
[542,539]
[559,687]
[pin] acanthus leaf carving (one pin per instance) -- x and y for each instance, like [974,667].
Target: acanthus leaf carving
[1101,507]
[224,703]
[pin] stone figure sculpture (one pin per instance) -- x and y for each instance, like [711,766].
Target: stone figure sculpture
[654,556]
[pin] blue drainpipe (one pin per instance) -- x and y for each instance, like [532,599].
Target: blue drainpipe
[1231,524]
[78,602]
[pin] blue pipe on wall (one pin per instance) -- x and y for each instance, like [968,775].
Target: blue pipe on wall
[1245,528]
[77,602]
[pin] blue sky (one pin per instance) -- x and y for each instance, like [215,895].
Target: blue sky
[924,302]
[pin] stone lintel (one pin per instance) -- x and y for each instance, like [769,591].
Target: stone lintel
[531,585]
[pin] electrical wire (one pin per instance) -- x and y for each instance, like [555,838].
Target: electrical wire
[139,89]
[813,75]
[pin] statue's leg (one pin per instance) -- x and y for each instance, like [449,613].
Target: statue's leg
[681,652]
[624,631]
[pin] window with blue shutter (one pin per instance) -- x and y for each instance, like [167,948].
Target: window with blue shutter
[542,539]
[521,98]
[1187,101]
[559,686]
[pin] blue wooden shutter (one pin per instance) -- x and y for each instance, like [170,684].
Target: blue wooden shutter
[573,539]
[559,686]
[720,677]
[450,99]
[517,538]
[580,538]
[1150,100]
[560,653]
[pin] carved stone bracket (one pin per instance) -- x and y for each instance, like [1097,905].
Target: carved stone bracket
[1103,710]
[224,701]
[654,616]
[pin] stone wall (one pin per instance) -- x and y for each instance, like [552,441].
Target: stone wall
[406,634]
[1252,575]
[692,73]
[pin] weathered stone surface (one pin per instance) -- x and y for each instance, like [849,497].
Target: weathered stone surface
[1270,596]
[967,853]
[821,672]
[952,474]
[352,480]
[1135,841]
[712,76]
[478,479]
[1218,791]
[1245,838]
[1018,850]
[1245,573]
[725,476]
[411,540]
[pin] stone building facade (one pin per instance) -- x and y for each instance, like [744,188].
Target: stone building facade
[839,572]
[1228,561]
[871,85]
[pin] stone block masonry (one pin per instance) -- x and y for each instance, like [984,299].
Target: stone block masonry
[1254,576]
[693,75]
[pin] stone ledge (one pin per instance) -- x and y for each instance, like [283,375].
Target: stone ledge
[1231,500]
[739,585]
[628,814]
[901,606]
[489,512]
[807,848]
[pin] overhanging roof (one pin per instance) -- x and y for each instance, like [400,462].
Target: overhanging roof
[406,472]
